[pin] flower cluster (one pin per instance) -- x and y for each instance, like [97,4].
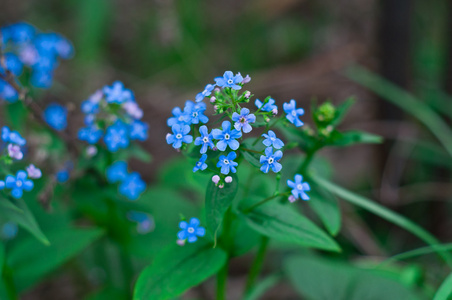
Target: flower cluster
[24,45]
[20,181]
[130,184]
[112,113]
[189,127]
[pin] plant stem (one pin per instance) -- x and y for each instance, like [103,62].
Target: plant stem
[247,210]
[222,277]
[9,283]
[257,264]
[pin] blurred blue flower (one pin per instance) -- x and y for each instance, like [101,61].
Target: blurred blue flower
[116,93]
[229,80]
[132,186]
[180,135]
[18,184]
[201,164]
[13,64]
[90,134]
[205,139]
[9,230]
[272,140]
[145,222]
[55,116]
[138,130]
[14,137]
[42,79]
[270,160]
[226,137]
[269,106]
[195,112]
[227,163]
[299,188]
[117,172]
[62,176]
[21,32]
[179,117]
[243,120]
[7,92]
[205,93]
[190,231]
[117,136]
[293,113]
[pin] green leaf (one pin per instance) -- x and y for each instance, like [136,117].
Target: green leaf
[326,206]
[405,101]
[177,269]
[31,260]
[383,212]
[2,258]
[342,110]
[263,286]
[343,139]
[445,290]
[280,222]
[316,278]
[218,201]
[20,214]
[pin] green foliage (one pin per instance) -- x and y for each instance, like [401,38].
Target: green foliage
[178,269]
[317,278]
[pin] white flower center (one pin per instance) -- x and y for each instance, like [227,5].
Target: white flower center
[190,230]
[230,81]
[18,183]
[272,139]
[300,187]
[242,120]
[226,161]
[294,113]
[181,118]
[195,114]
[271,160]
[227,136]
[205,139]
[178,136]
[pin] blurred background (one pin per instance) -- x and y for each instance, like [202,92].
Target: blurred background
[167,50]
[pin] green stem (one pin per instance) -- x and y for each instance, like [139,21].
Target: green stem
[222,275]
[250,150]
[247,210]
[9,283]
[257,264]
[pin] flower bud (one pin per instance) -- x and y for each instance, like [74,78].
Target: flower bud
[216,179]
[292,199]
[247,94]
[91,151]
[181,242]
[275,111]
[228,179]
[221,186]
[213,99]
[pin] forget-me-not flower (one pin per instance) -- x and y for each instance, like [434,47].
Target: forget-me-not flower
[33,172]
[117,136]
[229,80]
[299,188]
[293,113]
[18,184]
[243,120]
[272,140]
[270,160]
[205,93]
[179,117]
[90,134]
[116,93]
[226,137]
[269,106]
[227,163]
[13,137]
[117,171]
[55,116]
[190,230]
[180,135]
[195,112]
[132,186]
[205,139]
[138,130]
[201,164]
[15,152]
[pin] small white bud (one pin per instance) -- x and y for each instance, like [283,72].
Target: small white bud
[215,107]
[292,199]
[91,151]
[180,242]
[212,99]
[215,179]
[228,179]
[221,186]
[275,111]
[247,94]
[216,90]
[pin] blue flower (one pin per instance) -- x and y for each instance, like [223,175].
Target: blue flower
[190,231]
[13,64]
[90,134]
[272,140]
[90,107]
[7,92]
[299,188]
[205,139]
[14,137]
[21,32]
[293,113]
[243,120]
[9,230]
[206,93]
[269,106]
[117,136]
[229,80]
[55,116]
[226,137]
[227,163]
[42,79]
[62,176]
[18,184]
[195,112]
[270,160]
[180,135]
[132,186]
[179,117]
[117,172]
[116,93]
[46,63]
[138,130]
[201,164]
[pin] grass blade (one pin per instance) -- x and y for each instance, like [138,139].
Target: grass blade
[445,290]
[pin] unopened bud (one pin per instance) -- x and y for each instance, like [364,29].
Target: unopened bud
[180,242]
[247,94]
[216,179]
[275,111]
[213,99]
[292,199]
[221,186]
[91,151]
[228,179]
